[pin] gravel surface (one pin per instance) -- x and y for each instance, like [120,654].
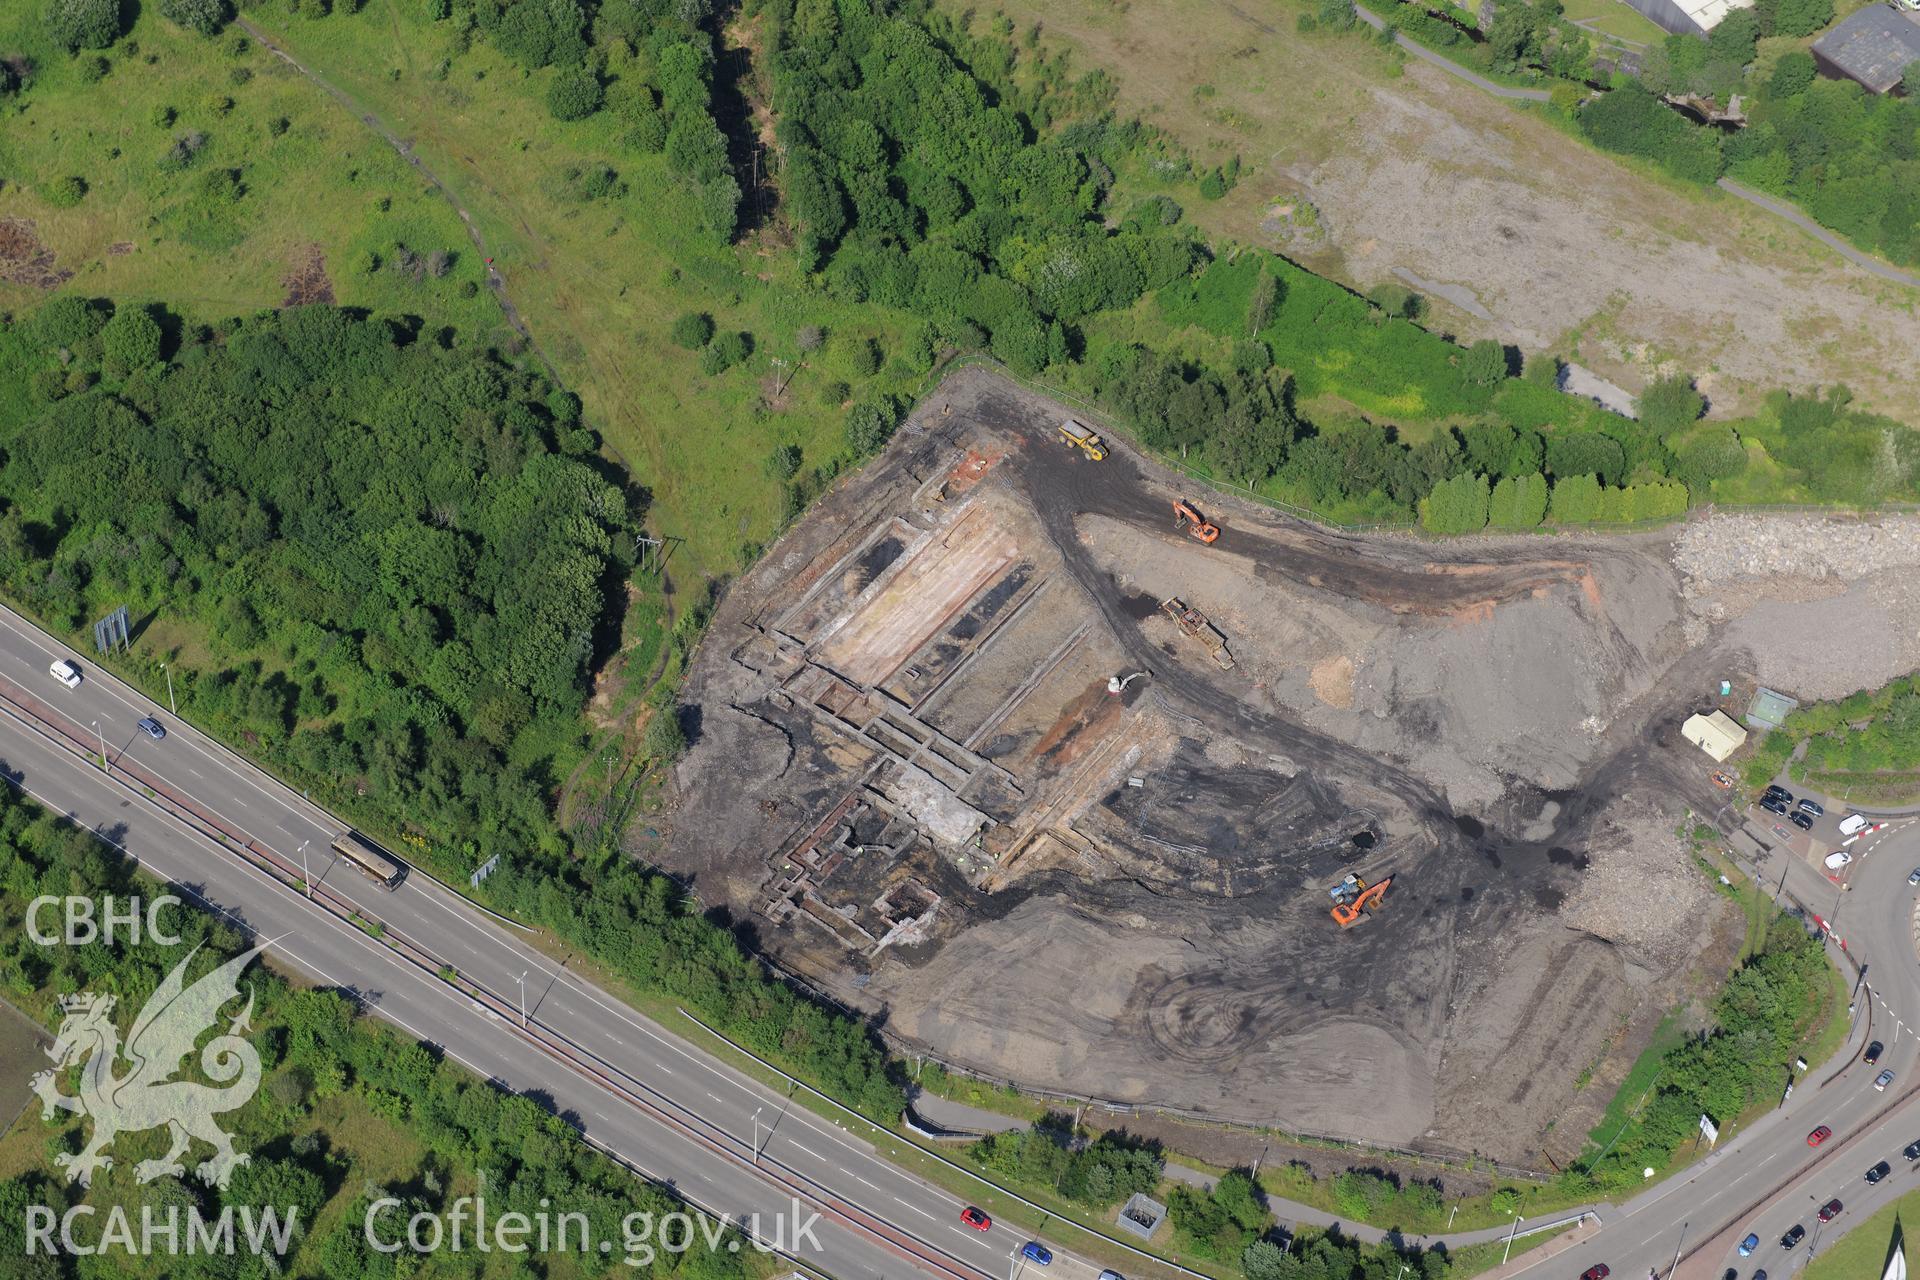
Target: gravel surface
[1775,585]
[1721,547]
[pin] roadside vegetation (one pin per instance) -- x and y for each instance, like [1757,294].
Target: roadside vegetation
[384,552]
[1864,748]
[1777,1005]
[349,1110]
[1844,155]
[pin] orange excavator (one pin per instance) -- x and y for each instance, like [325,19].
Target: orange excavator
[1185,517]
[1355,901]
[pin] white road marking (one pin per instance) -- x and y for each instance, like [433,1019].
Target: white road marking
[913,1208]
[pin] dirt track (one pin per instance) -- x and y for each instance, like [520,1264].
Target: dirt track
[1505,721]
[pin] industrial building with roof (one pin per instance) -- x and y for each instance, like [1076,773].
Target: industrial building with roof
[1873,46]
[1687,17]
[1715,734]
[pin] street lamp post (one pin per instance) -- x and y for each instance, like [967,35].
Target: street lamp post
[1676,1251]
[104,766]
[306,880]
[1510,1235]
[523,998]
[170,703]
[756,1134]
[1013,1262]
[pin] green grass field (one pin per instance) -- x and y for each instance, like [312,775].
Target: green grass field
[309,179]
[1861,1254]
[600,282]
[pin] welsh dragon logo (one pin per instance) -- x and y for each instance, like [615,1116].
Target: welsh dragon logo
[147,1096]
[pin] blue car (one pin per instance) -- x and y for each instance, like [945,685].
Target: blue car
[1036,1253]
[1748,1245]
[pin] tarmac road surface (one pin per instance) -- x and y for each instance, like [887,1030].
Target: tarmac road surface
[887,1223]
[1767,1179]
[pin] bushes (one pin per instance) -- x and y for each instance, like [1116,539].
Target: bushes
[1760,1018]
[203,16]
[1576,499]
[1670,403]
[66,192]
[83,24]
[1518,502]
[1218,1224]
[870,424]
[1098,1174]
[724,352]
[1456,505]
[692,330]
[131,340]
[574,93]
[1632,121]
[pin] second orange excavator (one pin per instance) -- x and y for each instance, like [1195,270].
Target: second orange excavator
[1185,517]
[1355,901]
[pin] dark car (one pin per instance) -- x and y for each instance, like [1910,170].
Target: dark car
[1598,1271]
[1774,806]
[1830,1210]
[1912,1151]
[151,727]
[1760,1274]
[1775,791]
[1879,1171]
[1808,806]
[1872,1055]
[1801,821]
[1036,1253]
[1794,1236]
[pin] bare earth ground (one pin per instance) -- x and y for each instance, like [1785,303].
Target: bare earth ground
[1539,240]
[955,825]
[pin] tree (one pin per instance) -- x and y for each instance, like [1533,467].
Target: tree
[66,192]
[864,357]
[1485,363]
[1910,80]
[203,16]
[1801,17]
[693,330]
[1792,74]
[1518,502]
[1458,505]
[574,94]
[870,423]
[83,24]
[1266,292]
[1669,404]
[1576,499]
[131,340]
[726,351]
[665,739]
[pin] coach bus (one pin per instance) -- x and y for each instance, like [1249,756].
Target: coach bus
[368,860]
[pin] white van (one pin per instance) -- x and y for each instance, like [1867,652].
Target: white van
[1853,824]
[66,673]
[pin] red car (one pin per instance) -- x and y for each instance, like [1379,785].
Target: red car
[1829,1211]
[1819,1136]
[975,1219]
[1599,1272]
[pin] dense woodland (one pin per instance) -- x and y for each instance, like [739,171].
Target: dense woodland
[342,1097]
[1850,158]
[389,560]
[399,559]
